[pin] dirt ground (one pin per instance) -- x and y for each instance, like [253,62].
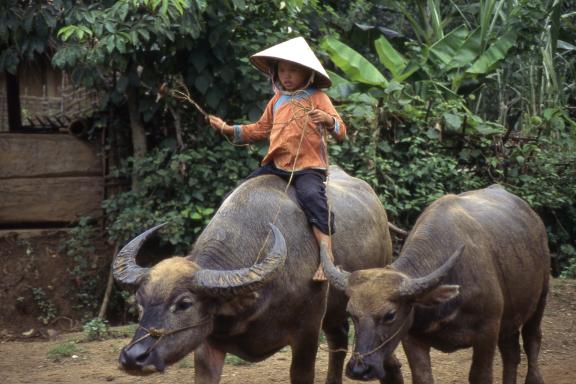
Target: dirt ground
[33,361]
[38,289]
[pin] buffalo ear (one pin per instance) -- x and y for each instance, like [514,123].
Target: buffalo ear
[438,295]
[237,304]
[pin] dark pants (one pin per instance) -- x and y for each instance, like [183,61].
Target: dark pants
[310,193]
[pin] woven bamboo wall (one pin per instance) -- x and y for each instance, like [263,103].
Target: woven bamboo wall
[46,92]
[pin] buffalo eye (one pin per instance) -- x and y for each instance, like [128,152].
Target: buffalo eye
[389,317]
[182,305]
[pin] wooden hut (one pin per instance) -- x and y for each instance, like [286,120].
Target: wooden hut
[48,178]
[47,100]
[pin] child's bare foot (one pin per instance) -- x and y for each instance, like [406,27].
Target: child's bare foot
[319,275]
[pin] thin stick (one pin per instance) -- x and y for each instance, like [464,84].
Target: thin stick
[108,292]
[183,93]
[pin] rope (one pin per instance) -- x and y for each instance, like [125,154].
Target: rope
[304,109]
[360,356]
[160,333]
[327,349]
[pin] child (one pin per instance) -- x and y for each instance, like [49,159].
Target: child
[294,122]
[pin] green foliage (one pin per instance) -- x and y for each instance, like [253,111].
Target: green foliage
[569,252]
[430,90]
[60,351]
[26,30]
[433,128]
[180,188]
[96,329]
[403,161]
[126,31]
[79,247]
[48,311]
[353,64]
[235,360]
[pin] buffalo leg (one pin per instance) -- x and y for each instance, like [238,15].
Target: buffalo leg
[418,356]
[532,337]
[483,351]
[304,357]
[509,345]
[336,329]
[337,337]
[392,366]
[208,364]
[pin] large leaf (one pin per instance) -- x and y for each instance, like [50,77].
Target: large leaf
[555,21]
[353,64]
[495,53]
[488,14]
[340,88]
[483,127]
[391,58]
[468,51]
[452,122]
[446,48]
[436,18]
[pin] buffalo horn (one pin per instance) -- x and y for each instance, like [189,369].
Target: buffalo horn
[125,269]
[422,285]
[221,283]
[338,278]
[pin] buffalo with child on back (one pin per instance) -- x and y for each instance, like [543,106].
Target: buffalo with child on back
[238,293]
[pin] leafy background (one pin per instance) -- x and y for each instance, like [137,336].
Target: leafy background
[440,97]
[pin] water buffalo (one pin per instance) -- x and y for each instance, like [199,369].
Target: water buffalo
[224,297]
[472,273]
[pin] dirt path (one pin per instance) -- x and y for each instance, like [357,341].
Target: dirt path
[95,362]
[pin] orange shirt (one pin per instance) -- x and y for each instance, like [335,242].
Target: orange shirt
[282,123]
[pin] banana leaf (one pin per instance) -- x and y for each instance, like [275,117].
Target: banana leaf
[393,60]
[469,51]
[341,88]
[494,53]
[353,64]
[447,47]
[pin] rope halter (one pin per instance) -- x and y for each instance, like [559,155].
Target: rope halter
[360,356]
[160,333]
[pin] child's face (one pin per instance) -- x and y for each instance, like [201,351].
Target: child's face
[292,76]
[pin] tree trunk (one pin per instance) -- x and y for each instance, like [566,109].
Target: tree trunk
[138,132]
[13,96]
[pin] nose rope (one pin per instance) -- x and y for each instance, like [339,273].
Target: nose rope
[360,356]
[159,333]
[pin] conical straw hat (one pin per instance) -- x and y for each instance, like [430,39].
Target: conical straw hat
[297,51]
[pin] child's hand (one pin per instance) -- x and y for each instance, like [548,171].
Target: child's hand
[218,124]
[318,116]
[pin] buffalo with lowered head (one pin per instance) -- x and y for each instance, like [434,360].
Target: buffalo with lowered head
[244,292]
[472,273]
